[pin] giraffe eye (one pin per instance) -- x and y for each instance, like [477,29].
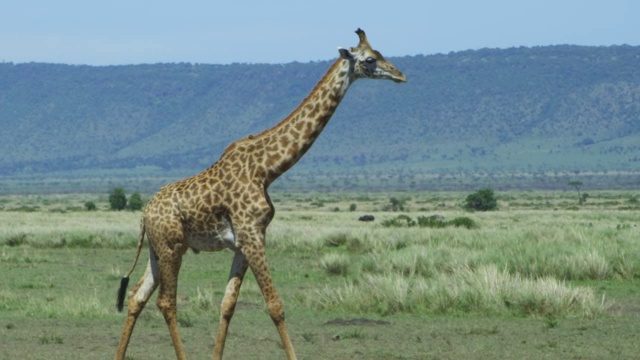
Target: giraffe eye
[370,60]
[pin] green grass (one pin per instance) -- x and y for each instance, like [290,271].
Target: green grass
[525,282]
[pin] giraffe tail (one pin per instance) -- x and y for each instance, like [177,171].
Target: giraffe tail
[125,279]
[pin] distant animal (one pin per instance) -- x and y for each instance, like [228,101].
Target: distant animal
[366,218]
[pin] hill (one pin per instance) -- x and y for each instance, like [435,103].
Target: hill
[543,111]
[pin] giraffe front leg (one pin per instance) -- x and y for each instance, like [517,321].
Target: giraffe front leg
[227,308]
[257,259]
[169,267]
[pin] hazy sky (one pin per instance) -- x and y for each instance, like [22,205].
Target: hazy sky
[101,32]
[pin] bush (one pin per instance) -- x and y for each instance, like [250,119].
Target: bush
[16,240]
[481,200]
[399,221]
[90,206]
[434,222]
[395,204]
[135,201]
[463,221]
[117,199]
[431,222]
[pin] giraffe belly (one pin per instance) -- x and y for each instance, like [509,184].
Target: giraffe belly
[212,240]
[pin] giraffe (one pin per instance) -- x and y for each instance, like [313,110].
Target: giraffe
[227,205]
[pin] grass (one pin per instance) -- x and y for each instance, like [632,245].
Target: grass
[335,264]
[485,291]
[50,339]
[536,281]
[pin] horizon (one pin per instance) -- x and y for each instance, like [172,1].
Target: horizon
[319,60]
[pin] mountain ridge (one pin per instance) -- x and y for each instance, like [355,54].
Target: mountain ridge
[540,109]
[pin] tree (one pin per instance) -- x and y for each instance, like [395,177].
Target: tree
[481,200]
[117,199]
[577,184]
[135,201]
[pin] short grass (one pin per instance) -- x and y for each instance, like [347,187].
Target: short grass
[539,278]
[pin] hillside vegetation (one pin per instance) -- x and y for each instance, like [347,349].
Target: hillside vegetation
[545,111]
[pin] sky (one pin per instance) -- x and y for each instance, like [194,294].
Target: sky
[118,32]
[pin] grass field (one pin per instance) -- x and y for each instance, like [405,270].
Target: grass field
[541,278]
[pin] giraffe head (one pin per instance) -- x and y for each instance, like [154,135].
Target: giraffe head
[369,63]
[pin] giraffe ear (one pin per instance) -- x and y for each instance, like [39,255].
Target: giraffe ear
[345,54]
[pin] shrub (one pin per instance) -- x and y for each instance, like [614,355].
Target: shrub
[117,199]
[16,240]
[395,204]
[436,222]
[431,222]
[317,203]
[135,201]
[399,221]
[90,206]
[481,200]
[463,221]
[25,208]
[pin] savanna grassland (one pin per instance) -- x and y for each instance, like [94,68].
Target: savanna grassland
[540,278]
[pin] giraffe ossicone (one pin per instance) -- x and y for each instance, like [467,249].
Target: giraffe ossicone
[227,205]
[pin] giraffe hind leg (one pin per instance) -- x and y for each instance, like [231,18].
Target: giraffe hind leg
[227,308]
[138,298]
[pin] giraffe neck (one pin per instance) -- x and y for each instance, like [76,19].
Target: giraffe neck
[285,143]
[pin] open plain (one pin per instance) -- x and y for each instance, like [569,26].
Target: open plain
[542,277]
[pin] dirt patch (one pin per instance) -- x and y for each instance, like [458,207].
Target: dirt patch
[624,308]
[357,321]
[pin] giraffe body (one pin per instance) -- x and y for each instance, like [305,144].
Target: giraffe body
[227,205]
